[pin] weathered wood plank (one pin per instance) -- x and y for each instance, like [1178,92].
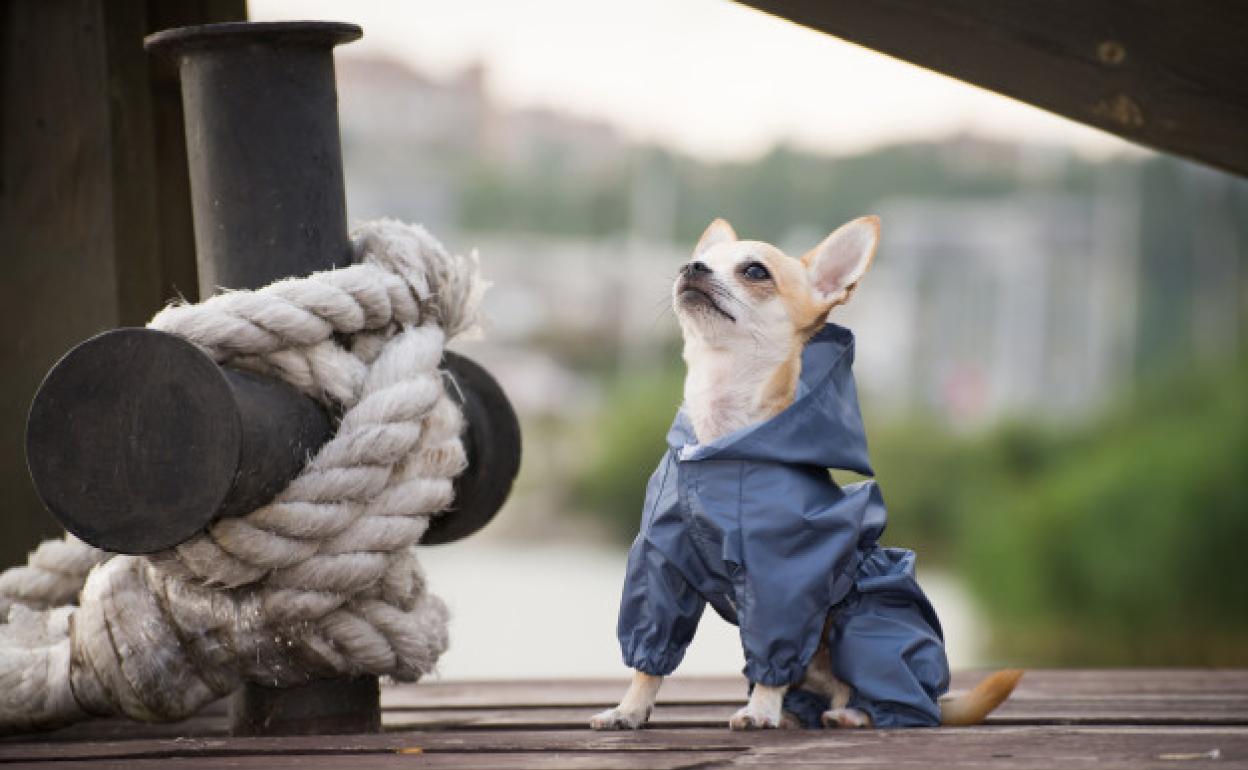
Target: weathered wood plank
[571,692]
[679,689]
[542,760]
[1002,747]
[712,717]
[1125,681]
[1165,74]
[501,741]
[122,729]
[716,716]
[549,718]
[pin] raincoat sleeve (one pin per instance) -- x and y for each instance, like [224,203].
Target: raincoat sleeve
[659,611]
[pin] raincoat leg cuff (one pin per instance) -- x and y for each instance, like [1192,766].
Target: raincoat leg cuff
[888,715]
[655,664]
[773,677]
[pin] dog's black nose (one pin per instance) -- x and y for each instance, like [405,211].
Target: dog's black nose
[695,267]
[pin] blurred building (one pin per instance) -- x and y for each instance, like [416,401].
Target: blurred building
[556,300]
[979,309]
[1018,282]
[409,140]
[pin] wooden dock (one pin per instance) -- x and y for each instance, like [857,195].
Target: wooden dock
[1130,718]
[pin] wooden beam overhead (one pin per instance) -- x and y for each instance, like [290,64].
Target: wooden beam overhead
[1172,76]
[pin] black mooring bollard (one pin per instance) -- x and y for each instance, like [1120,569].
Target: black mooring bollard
[137,440]
[262,143]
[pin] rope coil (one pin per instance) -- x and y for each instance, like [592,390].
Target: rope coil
[323,581]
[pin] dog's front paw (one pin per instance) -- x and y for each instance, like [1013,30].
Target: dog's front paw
[617,719]
[748,718]
[846,718]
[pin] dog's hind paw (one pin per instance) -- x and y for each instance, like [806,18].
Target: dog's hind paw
[848,718]
[749,719]
[615,719]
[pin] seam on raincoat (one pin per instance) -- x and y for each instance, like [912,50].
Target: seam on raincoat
[647,511]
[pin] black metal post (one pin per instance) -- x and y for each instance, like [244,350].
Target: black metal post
[492,442]
[317,708]
[268,200]
[137,440]
[263,148]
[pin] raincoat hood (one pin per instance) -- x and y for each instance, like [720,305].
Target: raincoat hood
[754,525]
[822,427]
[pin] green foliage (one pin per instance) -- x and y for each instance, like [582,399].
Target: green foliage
[786,190]
[768,198]
[547,199]
[1122,550]
[631,436]
[1107,544]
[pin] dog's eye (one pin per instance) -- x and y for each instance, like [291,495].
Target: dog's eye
[755,271]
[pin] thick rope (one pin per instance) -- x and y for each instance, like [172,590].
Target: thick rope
[322,581]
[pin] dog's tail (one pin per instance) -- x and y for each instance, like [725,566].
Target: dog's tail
[970,708]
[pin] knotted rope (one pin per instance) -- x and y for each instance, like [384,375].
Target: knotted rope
[323,581]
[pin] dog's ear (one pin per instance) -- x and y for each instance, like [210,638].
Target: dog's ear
[836,265]
[717,232]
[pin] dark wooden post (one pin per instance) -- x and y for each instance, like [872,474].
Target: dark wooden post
[94,205]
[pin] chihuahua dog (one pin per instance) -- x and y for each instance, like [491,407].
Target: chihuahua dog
[749,314]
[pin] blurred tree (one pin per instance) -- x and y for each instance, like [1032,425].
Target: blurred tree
[631,435]
[1121,548]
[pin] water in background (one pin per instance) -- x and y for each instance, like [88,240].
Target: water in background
[525,610]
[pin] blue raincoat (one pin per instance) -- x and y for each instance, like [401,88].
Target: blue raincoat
[753,524]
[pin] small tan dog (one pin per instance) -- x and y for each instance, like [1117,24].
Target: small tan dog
[747,311]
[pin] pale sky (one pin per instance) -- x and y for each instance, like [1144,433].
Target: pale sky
[708,77]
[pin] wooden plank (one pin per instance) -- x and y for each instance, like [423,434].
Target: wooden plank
[693,689]
[547,718]
[1164,74]
[1065,697]
[502,741]
[1125,681]
[123,729]
[1106,749]
[716,716]
[718,739]
[1002,747]
[1220,712]
[542,760]
[571,692]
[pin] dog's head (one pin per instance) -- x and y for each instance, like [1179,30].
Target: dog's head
[733,291]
